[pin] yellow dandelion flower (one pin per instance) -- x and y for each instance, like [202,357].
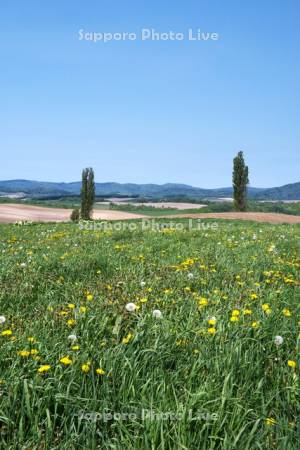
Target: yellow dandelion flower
[24,353]
[44,368]
[292,363]
[286,312]
[86,367]
[247,312]
[71,322]
[255,324]
[71,306]
[235,313]
[6,333]
[100,371]
[90,297]
[66,361]
[75,347]
[234,319]
[31,339]
[211,330]
[253,296]
[34,351]
[270,421]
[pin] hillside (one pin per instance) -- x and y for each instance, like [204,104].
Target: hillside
[45,189]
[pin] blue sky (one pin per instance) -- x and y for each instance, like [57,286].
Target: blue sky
[166,111]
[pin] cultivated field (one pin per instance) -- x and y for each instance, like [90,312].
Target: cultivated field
[150,339]
[11,213]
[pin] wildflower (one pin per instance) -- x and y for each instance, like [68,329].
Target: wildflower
[71,322]
[86,367]
[66,361]
[100,371]
[144,300]
[270,421]
[34,351]
[286,312]
[71,306]
[157,314]
[203,302]
[142,283]
[247,312]
[75,347]
[212,320]
[211,330]
[291,363]
[82,309]
[44,368]
[72,337]
[31,339]
[2,319]
[234,319]
[24,353]
[265,306]
[235,313]
[89,297]
[127,338]
[6,333]
[190,275]
[130,307]
[278,340]
[255,324]
[254,296]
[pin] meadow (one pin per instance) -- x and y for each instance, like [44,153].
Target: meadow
[162,338]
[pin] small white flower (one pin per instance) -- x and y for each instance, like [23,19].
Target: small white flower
[23,265]
[2,319]
[130,307]
[142,283]
[278,340]
[72,337]
[190,275]
[157,314]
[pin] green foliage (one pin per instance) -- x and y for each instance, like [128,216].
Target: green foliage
[87,193]
[240,181]
[75,215]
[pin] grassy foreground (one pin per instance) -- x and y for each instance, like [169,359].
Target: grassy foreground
[80,371]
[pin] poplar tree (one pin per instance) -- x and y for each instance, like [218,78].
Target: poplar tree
[240,181]
[87,193]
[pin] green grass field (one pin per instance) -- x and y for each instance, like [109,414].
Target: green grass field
[80,371]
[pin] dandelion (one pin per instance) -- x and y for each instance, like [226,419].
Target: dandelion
[100,371]
[72,337]
[24,353]
[157,314]
[71,322]
[71,306]
[247,312]
[190,275]
[286,312]
[6,333]
[254,296]
[31,339]
[130,307]
[142,284]
[270,421]
[255,324]
[75,348]
[2,319]
[211,330]
[89,297]
[234,319]
[212,320]
[291,363]
[235,313]
[34,351]
[278,340]
[82,309]
[66,361]
[44,368]
[127,338]
[86,367]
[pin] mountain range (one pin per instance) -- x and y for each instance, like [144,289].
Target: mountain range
[43,189]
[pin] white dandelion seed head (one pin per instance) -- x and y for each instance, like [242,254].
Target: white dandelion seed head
[2,319]
[190,275]
[72,337]
[278,340]
[130,307]
[142,283]
[157,314]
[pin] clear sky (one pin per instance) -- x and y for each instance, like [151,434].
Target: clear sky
[150,111]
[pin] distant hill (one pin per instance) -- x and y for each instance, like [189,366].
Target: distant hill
[38,189]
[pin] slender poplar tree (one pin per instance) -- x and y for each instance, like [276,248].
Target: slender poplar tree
[87,193]
[240,181]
